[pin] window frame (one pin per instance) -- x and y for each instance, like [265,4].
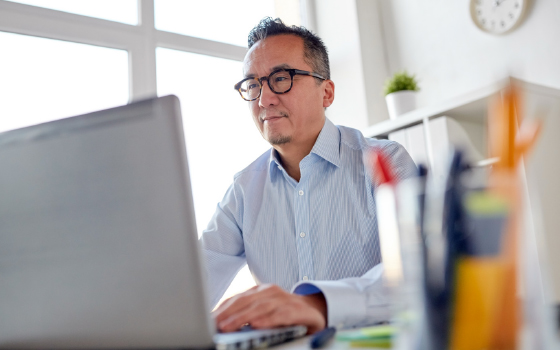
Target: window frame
[139,40]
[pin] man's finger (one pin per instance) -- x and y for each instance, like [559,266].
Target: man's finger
[236,302]
[272,320]
[229,300]
[259,309]
[245,300]
[291,314]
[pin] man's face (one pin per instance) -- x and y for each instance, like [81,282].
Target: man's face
[297,116]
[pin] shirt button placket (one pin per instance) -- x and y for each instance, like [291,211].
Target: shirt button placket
[302,226]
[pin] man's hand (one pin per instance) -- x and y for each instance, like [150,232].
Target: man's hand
[268,306]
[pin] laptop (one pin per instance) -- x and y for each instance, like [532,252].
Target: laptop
[98,240]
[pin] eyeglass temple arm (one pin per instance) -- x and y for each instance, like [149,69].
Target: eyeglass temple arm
[303,72]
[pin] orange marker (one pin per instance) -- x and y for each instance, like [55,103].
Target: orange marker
[509,143]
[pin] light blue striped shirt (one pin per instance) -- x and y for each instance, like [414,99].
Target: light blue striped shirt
[318,234]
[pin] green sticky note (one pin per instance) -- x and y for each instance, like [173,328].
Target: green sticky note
[379,333]
[383,344]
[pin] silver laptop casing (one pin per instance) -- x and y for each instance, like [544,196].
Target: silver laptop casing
[98,241]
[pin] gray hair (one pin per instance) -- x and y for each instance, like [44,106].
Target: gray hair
[314,50]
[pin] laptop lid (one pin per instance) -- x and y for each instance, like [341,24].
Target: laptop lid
[98,242]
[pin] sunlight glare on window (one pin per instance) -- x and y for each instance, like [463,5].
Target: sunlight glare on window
[124,11]
[44,79]
[220,134]
[219,20]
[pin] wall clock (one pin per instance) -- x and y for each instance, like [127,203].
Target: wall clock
[498,16]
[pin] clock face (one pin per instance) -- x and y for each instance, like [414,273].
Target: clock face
[497,16]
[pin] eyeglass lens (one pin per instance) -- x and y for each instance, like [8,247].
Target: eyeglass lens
[279,82]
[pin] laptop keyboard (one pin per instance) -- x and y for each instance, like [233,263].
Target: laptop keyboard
[248,338]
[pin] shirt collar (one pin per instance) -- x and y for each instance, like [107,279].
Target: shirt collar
[327,147]
[274,159]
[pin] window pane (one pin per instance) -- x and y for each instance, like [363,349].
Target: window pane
[219,20]
[125,11]
[220,134]
[45,79]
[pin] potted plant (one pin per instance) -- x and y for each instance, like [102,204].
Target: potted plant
[400,93]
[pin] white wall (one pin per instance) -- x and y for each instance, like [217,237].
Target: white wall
[337,26]
[543,170]
[374,59]
[351,32]
[436,40]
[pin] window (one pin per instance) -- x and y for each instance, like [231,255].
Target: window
[228,21]
[125,11]
[56,64]
[45,79]
[220,134]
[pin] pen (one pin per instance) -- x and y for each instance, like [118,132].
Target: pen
[320,339]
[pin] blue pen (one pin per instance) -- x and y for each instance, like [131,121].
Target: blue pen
[320,339]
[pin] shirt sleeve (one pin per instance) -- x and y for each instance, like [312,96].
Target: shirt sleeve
[222,246]
[351,302]
[402,164]
[361,301]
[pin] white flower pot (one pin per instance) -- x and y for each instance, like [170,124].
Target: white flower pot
[400,102]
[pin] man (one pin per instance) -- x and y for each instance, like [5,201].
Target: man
[303,214]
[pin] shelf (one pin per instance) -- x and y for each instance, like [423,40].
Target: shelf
[426,141]
[471,106]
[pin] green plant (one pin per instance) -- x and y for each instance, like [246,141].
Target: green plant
[401,81]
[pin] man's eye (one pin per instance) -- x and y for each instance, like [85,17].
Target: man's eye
[253,86]
[280,79]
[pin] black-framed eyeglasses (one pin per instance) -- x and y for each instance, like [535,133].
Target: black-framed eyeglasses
[280,81]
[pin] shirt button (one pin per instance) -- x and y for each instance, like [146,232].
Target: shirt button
[302,235]
[305,278]
[300,192]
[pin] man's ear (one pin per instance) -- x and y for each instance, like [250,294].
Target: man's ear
[328,93]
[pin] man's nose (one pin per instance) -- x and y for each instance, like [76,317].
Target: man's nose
[268,97]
